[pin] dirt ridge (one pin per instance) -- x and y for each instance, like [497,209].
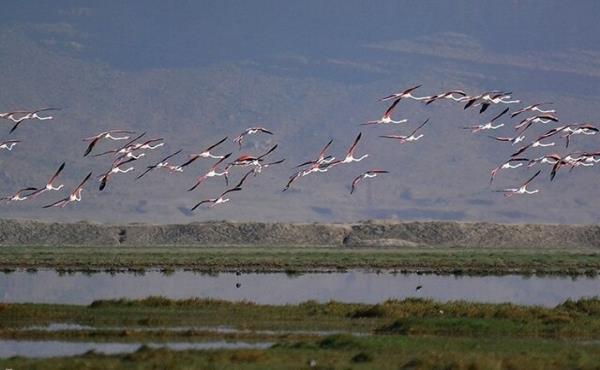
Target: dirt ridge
[393,234]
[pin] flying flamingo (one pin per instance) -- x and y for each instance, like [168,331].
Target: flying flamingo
[407,138]
[17,197]
[258,169]
[160,164]
[128,155]
[350,154]
[557,166]
[491,97]
[250,131]
[541,118]
[488,126]
[471,100]
[366,175]
[507,165]
[548,158]
[221,199]
[114,169]
[583,129]
[405,94]
[212,172]
[448,95]
[322,157]
[503,98]
[247,160]
[74,196]
[147,145]
[292,178]
[570,160]
[522,189]
[30,115]
[126,148]
[315,166]
[387,116]
[587,159]
[50,184]
[514,140]
[532,108]
[9,115]
[206,153]
[104,135]
[534,144]
[8,144]
[321,167]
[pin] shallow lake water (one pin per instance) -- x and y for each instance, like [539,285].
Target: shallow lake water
[48,286]
[52,348]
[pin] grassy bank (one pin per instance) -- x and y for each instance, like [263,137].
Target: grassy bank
[303,259]
[341,352]
[412,333]
[580,319]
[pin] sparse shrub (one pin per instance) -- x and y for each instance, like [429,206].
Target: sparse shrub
[588,306]
[362,357]
[339,341]
[414,363]
[557,318]
[398,327]
[157,301]
[247,356]
[370,312]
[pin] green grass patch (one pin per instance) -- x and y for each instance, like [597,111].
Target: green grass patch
[406,334]
[305,259]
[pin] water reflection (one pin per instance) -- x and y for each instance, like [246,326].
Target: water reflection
[47,286]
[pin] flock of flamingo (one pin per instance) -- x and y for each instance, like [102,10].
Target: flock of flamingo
[123,157]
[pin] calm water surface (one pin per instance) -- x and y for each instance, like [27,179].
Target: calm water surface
[48,286]
[51,348]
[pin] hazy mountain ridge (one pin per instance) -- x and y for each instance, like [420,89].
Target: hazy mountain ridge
[445,176]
